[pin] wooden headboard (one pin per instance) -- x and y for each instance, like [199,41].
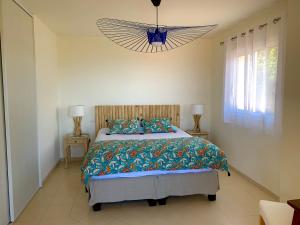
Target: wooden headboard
[104,112]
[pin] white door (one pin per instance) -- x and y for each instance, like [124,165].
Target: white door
[4,209]
[18,64]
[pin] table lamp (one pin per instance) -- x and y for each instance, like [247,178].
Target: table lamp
[77,112]
[198,111]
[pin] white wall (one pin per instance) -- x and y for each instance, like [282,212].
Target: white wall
[47,96]
[93,71]
[290,151]
[20,104]
[256,154]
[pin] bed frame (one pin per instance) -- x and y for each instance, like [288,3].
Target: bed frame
[154,188]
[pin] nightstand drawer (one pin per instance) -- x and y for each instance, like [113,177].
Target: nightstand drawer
[77,140]
[201,134]
[205,136]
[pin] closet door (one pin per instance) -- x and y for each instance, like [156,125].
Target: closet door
[4,209]
[20,104]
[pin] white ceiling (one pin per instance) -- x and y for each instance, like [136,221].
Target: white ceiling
[78,17]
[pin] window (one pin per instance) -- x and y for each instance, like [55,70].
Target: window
[251,75]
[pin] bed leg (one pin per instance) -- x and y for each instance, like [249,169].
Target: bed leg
[162,201]
[151,202]
[212,198]
[97,207]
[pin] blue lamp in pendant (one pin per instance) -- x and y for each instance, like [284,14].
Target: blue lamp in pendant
[157,36]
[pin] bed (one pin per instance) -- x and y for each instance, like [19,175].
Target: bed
[154,185]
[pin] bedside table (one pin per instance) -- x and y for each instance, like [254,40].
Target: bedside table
[202,134]
[70,140]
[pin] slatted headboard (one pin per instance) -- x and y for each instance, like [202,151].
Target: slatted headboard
[104,112]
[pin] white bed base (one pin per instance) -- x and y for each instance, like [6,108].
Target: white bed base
[153,186]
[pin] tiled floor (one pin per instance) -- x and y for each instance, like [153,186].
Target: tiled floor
[62,201]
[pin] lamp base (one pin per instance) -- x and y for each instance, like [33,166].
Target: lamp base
[77,126]
[197,123]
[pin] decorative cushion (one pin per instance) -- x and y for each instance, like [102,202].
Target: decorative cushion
[121,126]
[157,125]
[175,129]
[276,213]
[141,130]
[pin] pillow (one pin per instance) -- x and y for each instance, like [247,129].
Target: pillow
[174,128]
[158,125]
[121,126]
[141,129]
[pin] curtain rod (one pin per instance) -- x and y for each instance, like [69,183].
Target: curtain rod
[275,20]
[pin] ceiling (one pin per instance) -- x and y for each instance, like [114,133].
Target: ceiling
[78,17]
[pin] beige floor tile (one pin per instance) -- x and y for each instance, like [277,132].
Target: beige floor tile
[60,221]
[58,211]
[63,201]
[116,222]
[32,214]
[64,197]
[95,218]
[246,220]
[24,223]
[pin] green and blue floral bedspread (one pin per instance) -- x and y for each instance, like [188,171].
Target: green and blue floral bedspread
[122,156]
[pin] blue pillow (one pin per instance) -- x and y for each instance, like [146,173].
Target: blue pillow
[122,126]
[141,130]
[157,125]
[175,129]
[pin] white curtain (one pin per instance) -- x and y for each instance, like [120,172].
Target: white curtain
[252,95]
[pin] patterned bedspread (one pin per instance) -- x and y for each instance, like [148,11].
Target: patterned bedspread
[112,157]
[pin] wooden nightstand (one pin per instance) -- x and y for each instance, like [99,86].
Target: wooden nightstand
[70,140]
[201,134]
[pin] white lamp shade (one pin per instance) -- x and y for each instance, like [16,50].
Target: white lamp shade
[197,109]
[76,111]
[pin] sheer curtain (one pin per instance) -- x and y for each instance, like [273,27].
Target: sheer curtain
[252,95]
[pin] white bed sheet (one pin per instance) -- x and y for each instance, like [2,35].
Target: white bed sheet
[102,135]
[150,173]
